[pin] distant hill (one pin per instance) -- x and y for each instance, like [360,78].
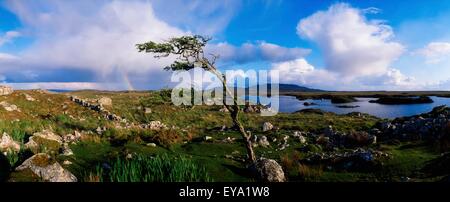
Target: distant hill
[289,88]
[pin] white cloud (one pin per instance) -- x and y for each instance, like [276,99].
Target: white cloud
[199,16]
[251,52]
[98,36]
[435,52]
[371,10]
[352,46]
[299,71]
[5,57]
[8,37]
[357,53]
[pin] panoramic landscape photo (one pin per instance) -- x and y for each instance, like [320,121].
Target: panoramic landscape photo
[224,91]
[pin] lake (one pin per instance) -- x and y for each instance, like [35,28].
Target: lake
[289,104]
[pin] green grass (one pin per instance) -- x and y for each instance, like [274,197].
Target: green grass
[161,168]
[185,140]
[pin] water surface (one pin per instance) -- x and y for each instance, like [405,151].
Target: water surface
[289,104]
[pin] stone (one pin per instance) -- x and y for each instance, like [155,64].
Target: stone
[47,169]
[7,144]
[267,126]
[105,101]
[151,144]
[66,150]
[154,125]
[147,110]
[67,162]
[44,140]
[268,170]
[285,138]
[262,141]
[6,90]
[100,130]
[49,135]
[223,109]
[29,98]
[374,139]
[302,139]
[229,140]
[9,107]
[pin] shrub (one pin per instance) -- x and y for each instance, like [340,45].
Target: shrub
[166,138]
[13,158]
[309,173]
[358,139]
[150,169]
[289,162]
[18,135]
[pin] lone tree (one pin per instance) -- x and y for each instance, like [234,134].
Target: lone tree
[189,50]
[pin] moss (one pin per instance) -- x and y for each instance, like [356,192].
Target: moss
[42,160]
[45,145]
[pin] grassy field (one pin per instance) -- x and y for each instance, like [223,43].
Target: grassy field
[184,138]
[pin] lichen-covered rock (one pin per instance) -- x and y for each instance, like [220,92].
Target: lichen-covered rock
[46,168]
[5,90]
[268,170]
[45,140]
[9,107]
[7,144]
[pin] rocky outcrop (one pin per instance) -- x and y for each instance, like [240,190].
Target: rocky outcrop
[7,144]
[97,105]
[427,126]
[9,107]
[5,90]
[253,108]
[358,159]
[268,170]
[47,169]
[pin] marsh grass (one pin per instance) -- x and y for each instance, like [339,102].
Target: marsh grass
[142,168]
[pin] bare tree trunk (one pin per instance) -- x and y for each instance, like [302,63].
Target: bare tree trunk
[234,112]
[245,135]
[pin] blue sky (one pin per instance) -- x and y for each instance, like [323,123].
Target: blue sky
[334,45]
